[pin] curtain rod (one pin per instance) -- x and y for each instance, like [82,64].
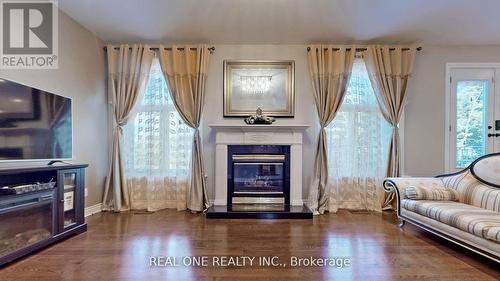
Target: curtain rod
[364,49]
[210,49]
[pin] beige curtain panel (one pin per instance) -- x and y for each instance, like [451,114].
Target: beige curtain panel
[185,70]
[128,69]
[390,68]
[330,69]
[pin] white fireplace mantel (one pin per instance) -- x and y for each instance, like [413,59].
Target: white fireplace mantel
[227,134]
[245,127]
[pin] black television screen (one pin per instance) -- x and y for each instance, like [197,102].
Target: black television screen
[34,124]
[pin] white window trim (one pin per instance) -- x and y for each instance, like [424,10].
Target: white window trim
[449,67]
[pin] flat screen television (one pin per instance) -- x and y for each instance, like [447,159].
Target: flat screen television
[34,124]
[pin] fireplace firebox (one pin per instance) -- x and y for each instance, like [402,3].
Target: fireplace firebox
[258,174]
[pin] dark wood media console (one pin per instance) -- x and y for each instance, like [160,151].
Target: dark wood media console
[35,219]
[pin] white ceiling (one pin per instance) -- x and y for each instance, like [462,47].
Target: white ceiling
[437,22]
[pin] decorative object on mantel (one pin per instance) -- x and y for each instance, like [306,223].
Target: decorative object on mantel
[259,118]
[249,84]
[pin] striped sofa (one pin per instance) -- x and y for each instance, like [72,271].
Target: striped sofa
[470,217]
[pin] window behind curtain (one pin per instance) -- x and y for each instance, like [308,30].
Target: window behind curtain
[358,137]
[156,140]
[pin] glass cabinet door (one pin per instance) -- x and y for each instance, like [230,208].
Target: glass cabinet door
[68,198]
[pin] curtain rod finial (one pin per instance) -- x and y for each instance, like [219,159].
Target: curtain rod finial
[211,49]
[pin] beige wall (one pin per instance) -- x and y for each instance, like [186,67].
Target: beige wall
[424,117]
[81,77]
[425,112]
[305,112]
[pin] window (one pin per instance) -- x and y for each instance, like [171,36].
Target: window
[471,121]
[358,137]
[358,147]
[156,139]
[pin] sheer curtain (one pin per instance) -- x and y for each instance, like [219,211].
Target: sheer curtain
[358,143]
[157,149]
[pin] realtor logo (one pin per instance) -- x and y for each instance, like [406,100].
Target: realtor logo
[29,34]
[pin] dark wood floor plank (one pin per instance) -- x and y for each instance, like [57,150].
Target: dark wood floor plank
[118,247]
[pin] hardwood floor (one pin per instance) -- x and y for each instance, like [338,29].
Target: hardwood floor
[119,247]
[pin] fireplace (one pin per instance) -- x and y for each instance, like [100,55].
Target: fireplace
[258,174]
[26,219]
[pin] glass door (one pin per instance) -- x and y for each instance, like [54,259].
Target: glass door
[258,178]
[472,104]
[69,181]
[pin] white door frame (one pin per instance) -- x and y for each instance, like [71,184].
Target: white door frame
[449,67]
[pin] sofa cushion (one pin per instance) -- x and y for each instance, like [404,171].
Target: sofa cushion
[429,193]
[477,221]
[403,183]
[474,192]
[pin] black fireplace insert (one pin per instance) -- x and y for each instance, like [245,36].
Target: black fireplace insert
[258,174]
[25,220]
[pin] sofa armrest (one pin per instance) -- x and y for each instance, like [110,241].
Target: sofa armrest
[399,185]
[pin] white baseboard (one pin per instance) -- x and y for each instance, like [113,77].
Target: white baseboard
[90,210]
